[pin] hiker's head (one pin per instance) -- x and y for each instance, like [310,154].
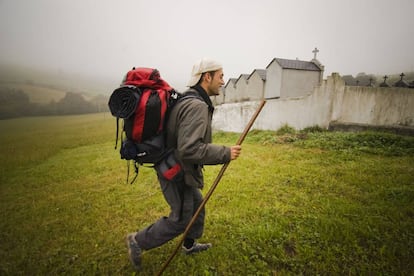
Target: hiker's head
[208,74]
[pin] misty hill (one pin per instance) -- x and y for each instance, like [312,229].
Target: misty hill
[58,80]
[31,92]
[37,93]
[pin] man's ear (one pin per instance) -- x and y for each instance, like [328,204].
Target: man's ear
[207,77]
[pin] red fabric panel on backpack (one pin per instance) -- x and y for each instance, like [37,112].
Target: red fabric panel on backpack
[148,80]
[169,174]
[146,77]
[139,120]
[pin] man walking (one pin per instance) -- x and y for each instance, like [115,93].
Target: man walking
[189,134]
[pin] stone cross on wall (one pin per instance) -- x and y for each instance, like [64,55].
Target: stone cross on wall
[315,52]
[401,82]
[384,83]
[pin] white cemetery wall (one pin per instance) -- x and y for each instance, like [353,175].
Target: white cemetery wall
[332,101]
[375,106]
[301,112]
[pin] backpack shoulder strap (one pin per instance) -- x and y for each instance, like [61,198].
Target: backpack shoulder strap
[190,94]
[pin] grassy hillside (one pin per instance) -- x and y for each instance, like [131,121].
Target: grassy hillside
[42,94]
[54,83]
[30,92]
[293,203]
[37,94]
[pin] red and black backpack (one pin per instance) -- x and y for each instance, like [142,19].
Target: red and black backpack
[143,101]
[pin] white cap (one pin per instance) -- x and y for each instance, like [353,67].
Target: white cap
[202,66]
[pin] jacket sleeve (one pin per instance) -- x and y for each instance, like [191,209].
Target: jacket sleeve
[192,128]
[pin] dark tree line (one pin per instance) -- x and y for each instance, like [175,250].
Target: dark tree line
[15,103]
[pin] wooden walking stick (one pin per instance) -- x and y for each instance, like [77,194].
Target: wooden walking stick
[213,187]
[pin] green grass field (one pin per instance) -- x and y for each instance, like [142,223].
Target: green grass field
[294,203]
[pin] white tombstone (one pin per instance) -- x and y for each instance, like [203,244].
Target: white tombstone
[255,85]
[287,78]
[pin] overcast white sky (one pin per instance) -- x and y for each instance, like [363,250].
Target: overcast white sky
[107,37]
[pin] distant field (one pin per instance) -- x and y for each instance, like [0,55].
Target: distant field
[63,81]
[40,94]
[294,203]
[37,94]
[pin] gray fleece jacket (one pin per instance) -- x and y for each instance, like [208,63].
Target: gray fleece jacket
[189,133]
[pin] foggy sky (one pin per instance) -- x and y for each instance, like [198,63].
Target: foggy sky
[107,37]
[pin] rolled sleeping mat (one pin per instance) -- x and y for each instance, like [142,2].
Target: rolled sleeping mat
[124,100]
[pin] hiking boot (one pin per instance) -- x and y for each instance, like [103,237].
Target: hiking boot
[134,251]
[197,247]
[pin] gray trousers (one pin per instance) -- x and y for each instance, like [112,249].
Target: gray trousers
[184,201]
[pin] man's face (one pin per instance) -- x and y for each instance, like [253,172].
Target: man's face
[215,83]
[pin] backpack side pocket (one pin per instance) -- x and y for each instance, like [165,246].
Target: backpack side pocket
[170,168]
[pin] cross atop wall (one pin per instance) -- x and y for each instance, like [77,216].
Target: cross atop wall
[315,52]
